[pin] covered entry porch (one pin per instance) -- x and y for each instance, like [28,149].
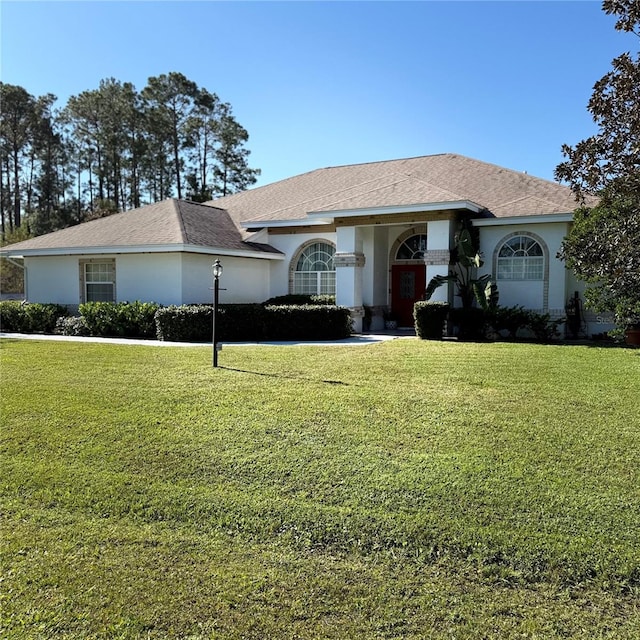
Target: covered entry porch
[385,258]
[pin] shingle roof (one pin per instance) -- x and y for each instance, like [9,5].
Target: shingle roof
[437,178]
[166,223]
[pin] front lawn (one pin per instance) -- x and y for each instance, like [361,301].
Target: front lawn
[406,489]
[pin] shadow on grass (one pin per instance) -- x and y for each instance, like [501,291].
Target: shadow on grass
[282,375]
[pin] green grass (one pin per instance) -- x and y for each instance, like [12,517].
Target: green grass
[401,490]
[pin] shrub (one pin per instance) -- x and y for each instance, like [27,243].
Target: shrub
[543,327]
[72,326]
[518,319]
[122,319]
[470,323]
[240,322]
[30,317]
[509,319]
[300,299]
[194,323]
[12,316]
[252,322]
[187,323]
[429,318]
[43,317]
[307,322]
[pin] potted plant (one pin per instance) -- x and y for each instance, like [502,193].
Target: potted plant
[628,317]
[390,320]
[366,318]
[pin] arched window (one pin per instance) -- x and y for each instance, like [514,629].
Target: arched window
[520,258]
[315,272]
[413,248]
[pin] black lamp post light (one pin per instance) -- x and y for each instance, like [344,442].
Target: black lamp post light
[217,272]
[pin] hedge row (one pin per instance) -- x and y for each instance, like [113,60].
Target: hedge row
[193,323]
[253,323]
[30,317]
[301,298]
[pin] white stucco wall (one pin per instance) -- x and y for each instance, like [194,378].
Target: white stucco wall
[439,238]
[165,278]
[438,234]
[374,241]
[52,279]
[150,277]
[550,295]
[243,279]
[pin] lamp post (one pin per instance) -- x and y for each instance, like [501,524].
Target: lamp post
[217,272]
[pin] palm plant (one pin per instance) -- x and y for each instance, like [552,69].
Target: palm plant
[467,258]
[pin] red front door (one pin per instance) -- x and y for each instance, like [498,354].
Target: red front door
[408,283]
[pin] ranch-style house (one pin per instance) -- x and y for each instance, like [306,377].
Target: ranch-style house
[373,234]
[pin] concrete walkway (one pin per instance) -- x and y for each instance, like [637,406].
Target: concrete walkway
[357,339]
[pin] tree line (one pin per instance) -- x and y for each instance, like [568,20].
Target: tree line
[114,148]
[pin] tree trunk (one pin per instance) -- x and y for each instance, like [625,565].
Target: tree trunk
[176,155]
[2,222]
[16,191]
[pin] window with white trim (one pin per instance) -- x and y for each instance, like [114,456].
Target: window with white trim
[520,258]
[99,281]
[315,271]
[413,248]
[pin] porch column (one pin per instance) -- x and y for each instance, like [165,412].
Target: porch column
[375,274]
[349,260]
[438,255]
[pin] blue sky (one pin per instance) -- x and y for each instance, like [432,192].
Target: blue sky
[329,83]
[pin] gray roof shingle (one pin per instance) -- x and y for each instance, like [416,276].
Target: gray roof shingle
[166,223]
[437,178]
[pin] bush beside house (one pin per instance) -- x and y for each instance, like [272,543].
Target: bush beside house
[496,322]
[187,323]
[120,319]
[194,323]
[30,317]
[430,319]
[300,298]
[308,322]
[253,322]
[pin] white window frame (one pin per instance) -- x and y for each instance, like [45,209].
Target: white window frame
[522,264]
[86,282]
[313,281]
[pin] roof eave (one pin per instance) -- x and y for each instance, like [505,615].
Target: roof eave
[525,219]
[158,248]
[255,225]
[323,217]
[404,208]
